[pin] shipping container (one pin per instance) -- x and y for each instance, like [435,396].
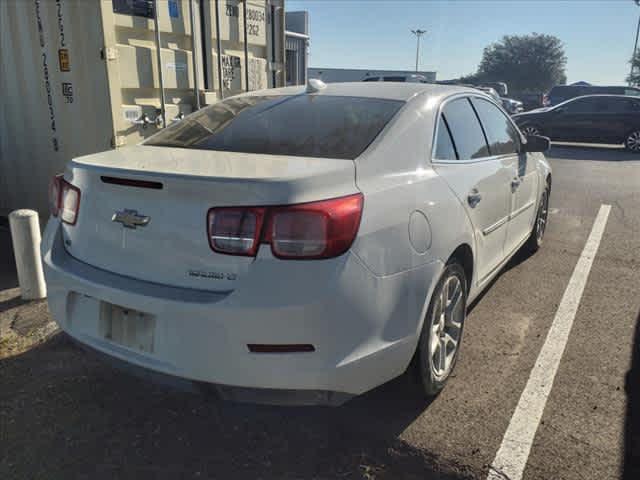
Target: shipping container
[79,77]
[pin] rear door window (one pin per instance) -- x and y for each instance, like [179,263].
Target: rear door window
[624,105]
[445,150]
[466,132]
[586,105]
[502,136]
[323,126]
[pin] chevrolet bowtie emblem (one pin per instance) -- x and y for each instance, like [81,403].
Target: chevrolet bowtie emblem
[131,219]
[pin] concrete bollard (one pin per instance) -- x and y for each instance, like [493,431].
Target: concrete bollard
[25,234]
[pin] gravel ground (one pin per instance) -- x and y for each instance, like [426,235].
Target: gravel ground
[22,324]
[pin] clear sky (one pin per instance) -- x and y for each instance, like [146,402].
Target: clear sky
[598,34]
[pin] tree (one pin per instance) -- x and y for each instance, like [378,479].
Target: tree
[634,77]
[527,63]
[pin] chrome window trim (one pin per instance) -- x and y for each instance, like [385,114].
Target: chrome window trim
[508,218]
[456,96]
[522,209]
[496,226]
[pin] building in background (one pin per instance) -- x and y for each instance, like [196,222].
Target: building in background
[297,47]
[330,75]
[80,77]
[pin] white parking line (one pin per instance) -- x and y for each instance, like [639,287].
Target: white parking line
[512,456]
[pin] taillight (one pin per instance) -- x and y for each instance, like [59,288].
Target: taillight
[321,229]
[314,230]
[54,195]
[235,231]
[64,200]
[300,233]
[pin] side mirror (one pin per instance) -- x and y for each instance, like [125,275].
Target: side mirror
[536,143]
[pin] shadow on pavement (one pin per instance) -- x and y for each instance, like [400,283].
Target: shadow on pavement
[64,414]
[591,153]
[520,256]
[8,277]
[631,467]
[11,302]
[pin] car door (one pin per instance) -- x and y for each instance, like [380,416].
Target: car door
[576,120]
[504,144]
[618,118]
[481,183]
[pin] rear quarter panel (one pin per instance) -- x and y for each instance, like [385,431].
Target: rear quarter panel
[397,180]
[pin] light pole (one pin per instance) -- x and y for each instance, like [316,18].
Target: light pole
[418,33]
[635,46]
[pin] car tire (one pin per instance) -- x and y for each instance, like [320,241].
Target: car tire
[632,141]
[540,224]
[528,130]
[441,336]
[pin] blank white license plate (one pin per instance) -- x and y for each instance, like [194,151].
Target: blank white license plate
[127,327]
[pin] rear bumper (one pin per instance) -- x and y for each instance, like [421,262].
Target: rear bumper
[364,328]
[265,396]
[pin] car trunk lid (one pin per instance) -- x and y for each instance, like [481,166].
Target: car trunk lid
[143,209]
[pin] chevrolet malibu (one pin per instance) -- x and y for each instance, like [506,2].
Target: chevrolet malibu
[297,245]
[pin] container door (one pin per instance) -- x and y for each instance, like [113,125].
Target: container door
[132,64]
[235,66]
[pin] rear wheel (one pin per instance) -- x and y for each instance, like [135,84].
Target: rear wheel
[540,226]
[442,330]
[531,130]
[632,142]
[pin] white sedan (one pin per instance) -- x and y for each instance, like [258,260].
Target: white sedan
[297,245]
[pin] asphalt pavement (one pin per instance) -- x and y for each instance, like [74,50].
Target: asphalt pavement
[64,414]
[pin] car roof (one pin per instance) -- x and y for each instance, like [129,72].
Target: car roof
[384,90]
[597,95]
[596,86]
[604,95]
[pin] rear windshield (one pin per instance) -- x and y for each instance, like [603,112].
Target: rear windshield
[301,125]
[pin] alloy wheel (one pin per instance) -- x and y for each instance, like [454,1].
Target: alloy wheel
[446,327]
[633,141]
[530,130]
[541,221]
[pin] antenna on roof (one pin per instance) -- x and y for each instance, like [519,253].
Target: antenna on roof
[315,85]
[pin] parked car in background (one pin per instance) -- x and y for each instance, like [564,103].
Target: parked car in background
[491,92]
[512,106]
[509,104]
[561,93]
[268,242]
[500,87]
[413,78]
[530,101]
[613,119]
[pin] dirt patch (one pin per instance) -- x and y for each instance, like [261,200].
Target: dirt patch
[22,324]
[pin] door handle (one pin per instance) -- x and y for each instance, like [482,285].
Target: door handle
[474,198]
[515,183]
